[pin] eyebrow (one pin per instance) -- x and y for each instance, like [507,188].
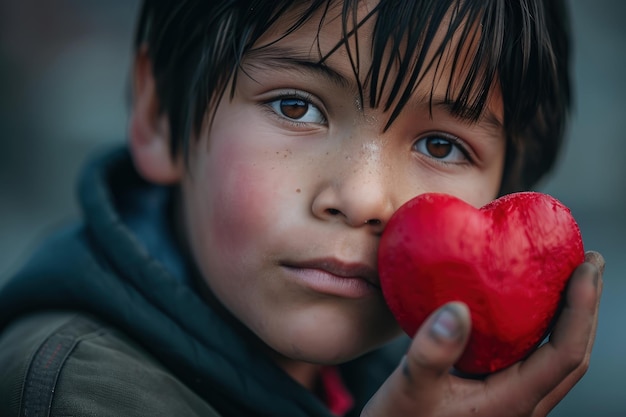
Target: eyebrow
[487,118]
[291,59]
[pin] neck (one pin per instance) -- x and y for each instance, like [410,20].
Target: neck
[307,374]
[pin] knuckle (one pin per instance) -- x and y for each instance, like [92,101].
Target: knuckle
[583,367]
[576,361]
[422,360]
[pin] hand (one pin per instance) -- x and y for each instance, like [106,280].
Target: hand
[423,386]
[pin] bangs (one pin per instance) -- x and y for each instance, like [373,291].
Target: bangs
[197,47]
[413,39]
[409,40]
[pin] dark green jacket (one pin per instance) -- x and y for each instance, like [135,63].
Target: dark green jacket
[95,325]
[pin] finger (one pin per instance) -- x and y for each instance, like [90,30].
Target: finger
[437,345]
[567,349]
[417,382]
[597,260]
[566,385]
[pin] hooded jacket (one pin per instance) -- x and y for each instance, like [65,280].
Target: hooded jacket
[102,320]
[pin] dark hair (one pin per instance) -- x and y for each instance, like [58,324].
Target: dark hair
[197,46]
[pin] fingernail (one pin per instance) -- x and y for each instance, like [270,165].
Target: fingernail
[595,258]
[446,325]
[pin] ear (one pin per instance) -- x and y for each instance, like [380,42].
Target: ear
[149,128]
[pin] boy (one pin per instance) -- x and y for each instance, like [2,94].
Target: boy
[227,263]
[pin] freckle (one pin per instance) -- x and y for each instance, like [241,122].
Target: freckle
[298,190]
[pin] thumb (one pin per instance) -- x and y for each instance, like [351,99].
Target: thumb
[415,387]
[438,344]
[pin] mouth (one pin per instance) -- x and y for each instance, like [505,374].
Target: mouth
[334,277]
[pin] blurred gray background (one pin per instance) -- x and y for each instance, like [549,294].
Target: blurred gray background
[63,95]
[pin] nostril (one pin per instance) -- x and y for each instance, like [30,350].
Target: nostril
[371,222]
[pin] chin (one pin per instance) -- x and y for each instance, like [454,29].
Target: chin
[335,344]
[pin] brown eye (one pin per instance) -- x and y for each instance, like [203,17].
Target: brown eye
[438,147]
[442,149]
[294,108]
[297,109]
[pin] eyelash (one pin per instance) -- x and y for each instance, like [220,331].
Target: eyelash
[455,142]
[297,95]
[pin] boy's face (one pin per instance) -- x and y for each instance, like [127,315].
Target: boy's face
[287,194]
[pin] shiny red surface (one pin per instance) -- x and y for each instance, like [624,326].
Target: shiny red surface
[508,261]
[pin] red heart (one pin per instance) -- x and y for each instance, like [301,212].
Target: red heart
[508,261]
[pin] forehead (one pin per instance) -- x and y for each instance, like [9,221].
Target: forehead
[430,53]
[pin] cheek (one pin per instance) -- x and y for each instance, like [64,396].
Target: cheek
[244,192]
[480,192]
[481,186]
[476,188]
[240,197]
[224,200]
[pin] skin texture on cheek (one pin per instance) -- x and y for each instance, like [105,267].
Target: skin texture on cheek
[222,196]
[235,195]
[236,179]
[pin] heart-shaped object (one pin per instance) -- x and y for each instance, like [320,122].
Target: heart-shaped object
[509,261]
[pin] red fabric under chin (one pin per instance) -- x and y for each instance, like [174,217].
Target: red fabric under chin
[334,392]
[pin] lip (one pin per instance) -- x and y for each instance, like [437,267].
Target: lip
[335,277]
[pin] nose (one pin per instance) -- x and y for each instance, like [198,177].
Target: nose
[358,193]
